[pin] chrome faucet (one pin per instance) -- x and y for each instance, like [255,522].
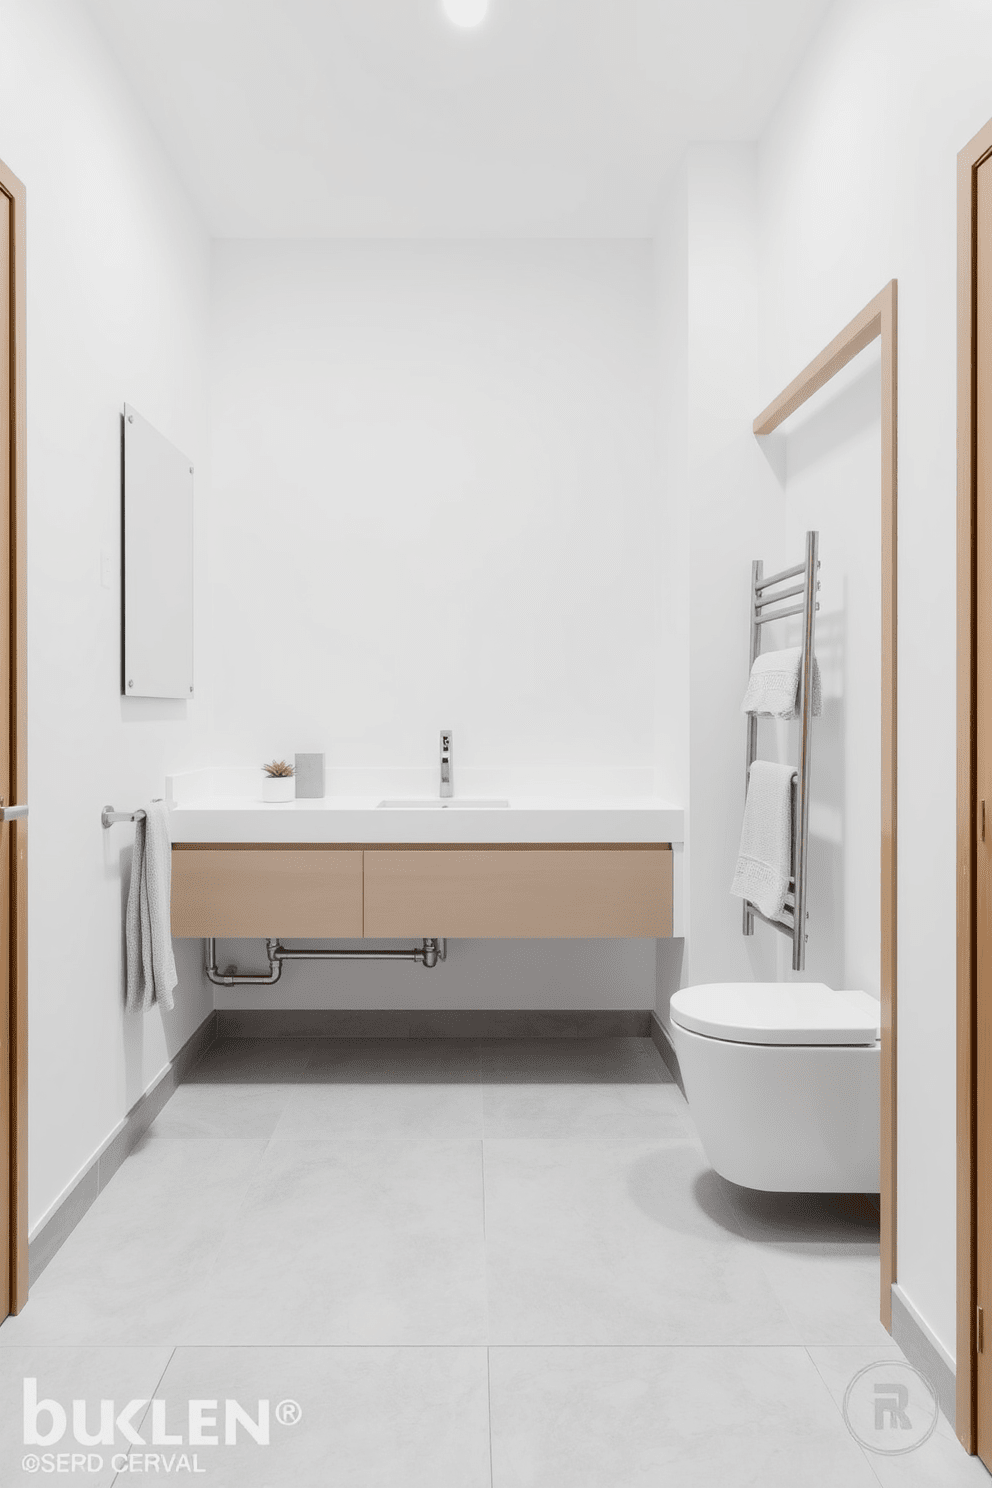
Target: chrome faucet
[446,787]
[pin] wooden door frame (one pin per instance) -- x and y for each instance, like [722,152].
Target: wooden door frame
[16,832]
[970,158]
[878,319]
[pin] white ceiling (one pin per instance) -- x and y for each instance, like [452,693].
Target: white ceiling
[377,118]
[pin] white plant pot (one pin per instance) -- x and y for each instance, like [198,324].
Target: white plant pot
[278,788]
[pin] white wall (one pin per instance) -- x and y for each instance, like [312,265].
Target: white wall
[671,558]
[717,481]
[118,278]
[857,186]
[435,477]
[514,975]
[851,184]
[671,570]
[827,459]
[435,490]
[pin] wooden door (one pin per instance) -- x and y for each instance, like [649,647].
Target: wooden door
[6,783]
[983,782]
[13,763]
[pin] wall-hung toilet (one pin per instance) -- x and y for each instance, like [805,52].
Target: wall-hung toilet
[782,1080]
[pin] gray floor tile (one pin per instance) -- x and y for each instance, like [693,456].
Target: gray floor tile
[127,1272]
[387,1088]
[251,1061]
[646,1417]
[319,1219]
[604,1061]
[579,1088]
[63,1375]
[784,1217]
[369,1109]
[371,1417]
[224,1110]
[831,1291]
[365,1242]
[618,1242]
[451,1062]
[575,1112]
[940,1462]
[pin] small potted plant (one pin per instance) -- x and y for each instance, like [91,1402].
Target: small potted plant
[278,783]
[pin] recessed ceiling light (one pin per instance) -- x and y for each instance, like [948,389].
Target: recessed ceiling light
[465,13]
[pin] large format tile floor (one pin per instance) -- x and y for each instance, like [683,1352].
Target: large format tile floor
[472,1265]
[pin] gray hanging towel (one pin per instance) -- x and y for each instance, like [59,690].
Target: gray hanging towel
[151,968]
[762,872]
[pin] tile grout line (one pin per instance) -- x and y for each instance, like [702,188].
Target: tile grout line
[485,1260]
[485,1251]
[225,1227]
[172,1355]
[489,1411]
[819,1374]
[616,1347]
[482,1161]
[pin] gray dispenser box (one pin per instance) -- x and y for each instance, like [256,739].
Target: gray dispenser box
[309,776]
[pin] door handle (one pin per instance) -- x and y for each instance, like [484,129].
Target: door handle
[13,813]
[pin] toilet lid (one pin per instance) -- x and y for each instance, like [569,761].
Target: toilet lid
[777,1013]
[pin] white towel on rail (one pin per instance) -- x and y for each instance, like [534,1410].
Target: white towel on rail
[151,968]
[773,686]
[764,859]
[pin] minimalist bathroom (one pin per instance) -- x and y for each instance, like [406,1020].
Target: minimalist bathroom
[493,772]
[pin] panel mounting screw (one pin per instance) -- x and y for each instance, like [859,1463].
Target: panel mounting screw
[130,418]
[130,683]
[191,470]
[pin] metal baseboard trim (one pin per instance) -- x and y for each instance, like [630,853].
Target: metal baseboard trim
[433,1024]
[61,1222]
[923,1351]
[659,1037]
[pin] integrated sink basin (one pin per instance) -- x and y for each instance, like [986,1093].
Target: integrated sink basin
[403,808]
[419,803]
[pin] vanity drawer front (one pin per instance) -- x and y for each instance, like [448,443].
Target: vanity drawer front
[262,892]
[517,892]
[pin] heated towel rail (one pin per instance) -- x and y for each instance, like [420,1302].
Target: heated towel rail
[766,596]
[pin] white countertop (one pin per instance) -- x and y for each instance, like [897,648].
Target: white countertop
[360,819]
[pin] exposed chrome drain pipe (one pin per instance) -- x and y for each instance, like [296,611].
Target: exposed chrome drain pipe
[428,954]
[232,977]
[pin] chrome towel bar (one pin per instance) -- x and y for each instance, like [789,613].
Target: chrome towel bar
[786,573]
[799,609]
[108,815]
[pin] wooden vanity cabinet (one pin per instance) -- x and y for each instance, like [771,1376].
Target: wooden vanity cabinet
[518,891]
[260,892]
[499,892]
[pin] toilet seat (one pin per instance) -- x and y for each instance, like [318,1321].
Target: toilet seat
[803,1013]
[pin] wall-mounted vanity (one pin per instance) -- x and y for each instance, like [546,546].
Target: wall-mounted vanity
[341,867]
